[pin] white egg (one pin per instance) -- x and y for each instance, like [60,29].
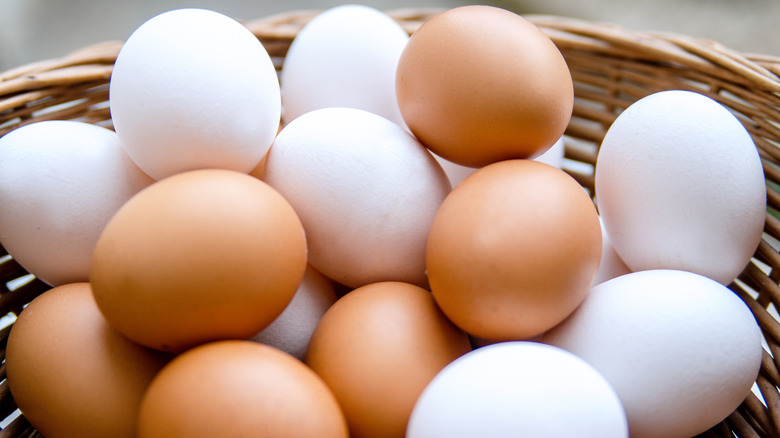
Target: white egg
[292,330]
[680,185]
[194,89]
[611,264]
[344,57]
[60,183]
[458,172]
[517,388]
[681,350]
[365,190]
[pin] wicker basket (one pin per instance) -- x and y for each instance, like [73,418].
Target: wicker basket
[611,68]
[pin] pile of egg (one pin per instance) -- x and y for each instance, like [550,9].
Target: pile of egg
[403,256]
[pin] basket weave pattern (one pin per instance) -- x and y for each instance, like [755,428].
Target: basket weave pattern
[611,68]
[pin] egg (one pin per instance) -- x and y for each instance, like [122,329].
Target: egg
[680,185]
[377,348]
[611,264]
[478,84]
[292,329]
[513,250]
[365,190]
[457,173]
[238,389]
[194,89]
[60,183]
[514,389]
[681,350]
[199,256]
[345,56]
[70,373]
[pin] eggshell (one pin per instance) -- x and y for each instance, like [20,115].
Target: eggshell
[514,389]
[680,185]
[366,192]
[291,331]
[513,250]
[479,84]
[457,173]
[199,256]
[346,56]
[70,373]
[60,182]
[194,89]
[681,350]
[238,389]
[611,265]
[377,348]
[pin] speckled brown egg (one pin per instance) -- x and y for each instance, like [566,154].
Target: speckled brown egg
[70,373]
[513,250]
[377,348]
[478,84]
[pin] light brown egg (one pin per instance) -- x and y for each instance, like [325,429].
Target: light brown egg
[239,389]
[377,348]
[478,84]
[513,250]
[70,373]
[196,257]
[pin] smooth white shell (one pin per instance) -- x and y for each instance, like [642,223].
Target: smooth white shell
[681,350]
[680,185]
[194,89]
[344,57]
[365,190]
[515,389]
[60,183]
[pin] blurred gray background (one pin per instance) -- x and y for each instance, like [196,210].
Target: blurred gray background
[32,30]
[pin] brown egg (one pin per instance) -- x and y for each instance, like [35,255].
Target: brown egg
[377,348]
[478,84]
[196,257]
[239,389]
[513,250]
[70,373]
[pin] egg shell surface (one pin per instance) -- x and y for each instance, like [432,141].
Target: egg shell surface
[238,389]
[70,373]
[510,388]
[199,256]
[345,56]
[680,185]
[292,330]
[377,348]
[60,183]
[479,84]
[365,190]
[193,89]
[681,350]
[513,250]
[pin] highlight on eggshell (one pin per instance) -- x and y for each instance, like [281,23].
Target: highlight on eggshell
[194,89]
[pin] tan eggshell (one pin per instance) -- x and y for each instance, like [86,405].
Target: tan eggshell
[239,389]
[199,256]
[478,84]
[513,250]
[70,373]
[377,348]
